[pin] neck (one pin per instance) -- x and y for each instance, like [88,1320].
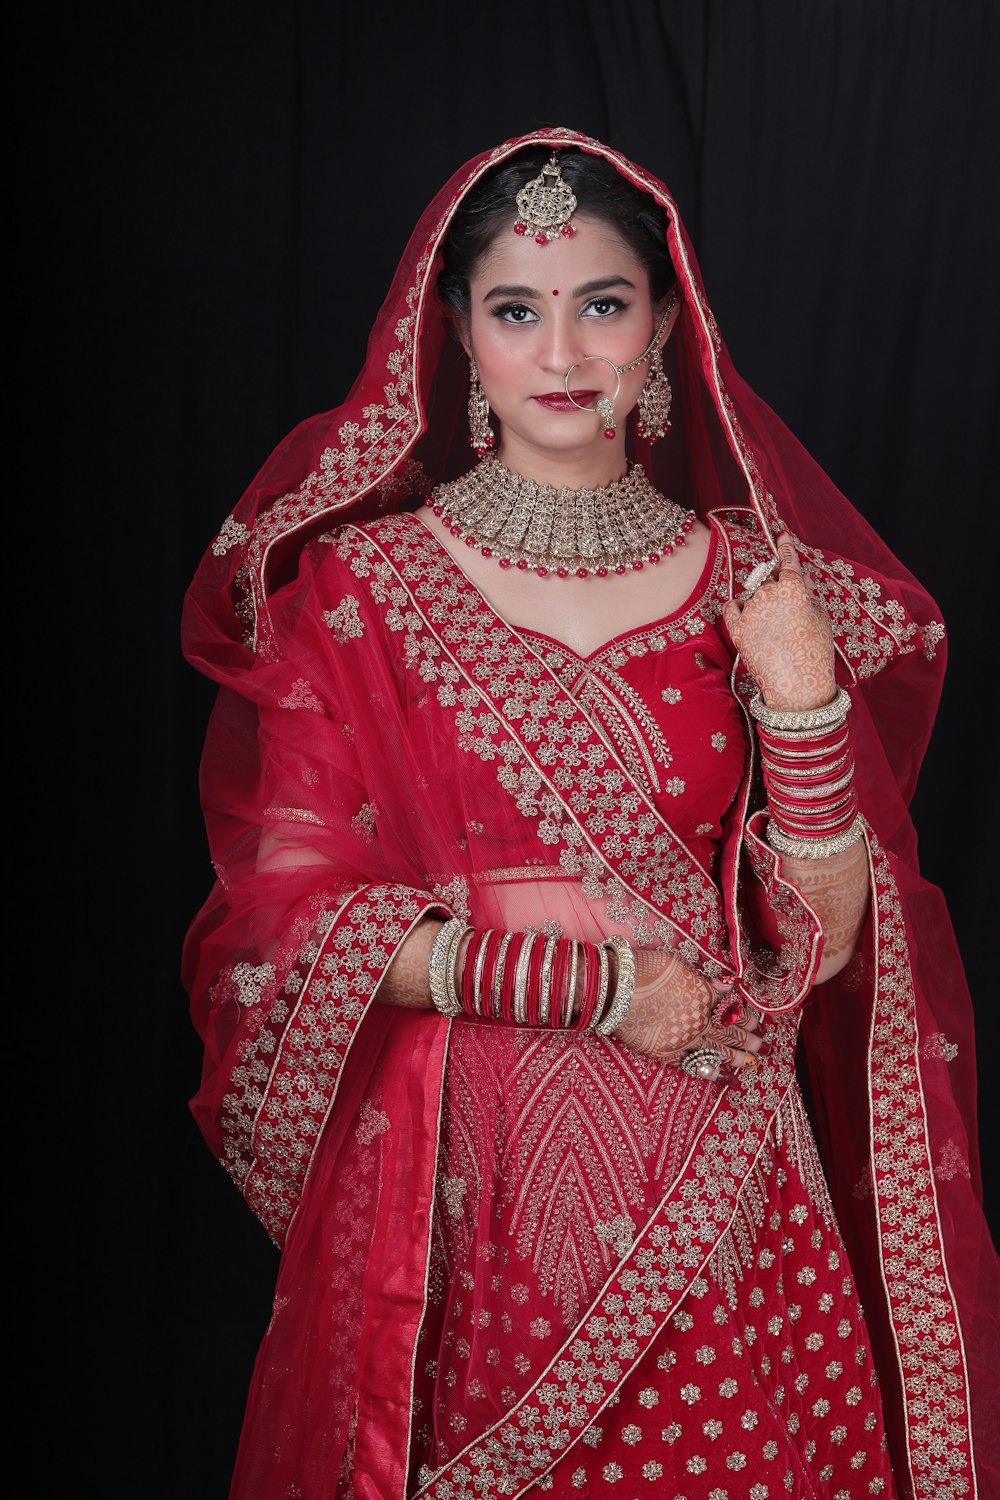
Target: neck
[577,469]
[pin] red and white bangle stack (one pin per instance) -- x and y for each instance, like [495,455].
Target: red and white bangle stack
[530,979]
[808,767]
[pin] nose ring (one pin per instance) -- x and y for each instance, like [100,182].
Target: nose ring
[604,405]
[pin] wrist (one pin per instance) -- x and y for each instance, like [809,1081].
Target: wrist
[799,701]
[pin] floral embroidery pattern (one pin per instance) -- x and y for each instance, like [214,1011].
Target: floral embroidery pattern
[925,1321]
[301,696]
[647,1287]
[343,620]
[510,711]
[289,1067]
[870,630]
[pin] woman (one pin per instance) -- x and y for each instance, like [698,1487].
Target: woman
[558,807]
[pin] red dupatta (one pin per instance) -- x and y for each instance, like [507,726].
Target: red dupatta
[308,1092]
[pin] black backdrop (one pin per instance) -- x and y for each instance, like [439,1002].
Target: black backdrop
[220,193]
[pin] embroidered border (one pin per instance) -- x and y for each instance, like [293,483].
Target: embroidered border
[924,1316]
[637,1299]
[289,1069]
[449,635]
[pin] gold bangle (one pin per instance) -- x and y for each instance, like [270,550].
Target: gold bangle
[437,968]
[454,998]
[521,978]
[624,987]
[477,977]
[798,721]
[567,1018]
[806,848]
[498,974]
[545,981]
[602,988]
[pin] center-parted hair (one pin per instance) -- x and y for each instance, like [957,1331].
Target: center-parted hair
[490,210]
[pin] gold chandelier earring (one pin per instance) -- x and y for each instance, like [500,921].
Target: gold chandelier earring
[481,434]
[654,400]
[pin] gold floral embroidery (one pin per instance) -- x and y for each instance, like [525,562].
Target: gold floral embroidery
[301,696]
[870,630]
[343,620]
[452,641]
[273,1112]
[925,1322]
[618,710]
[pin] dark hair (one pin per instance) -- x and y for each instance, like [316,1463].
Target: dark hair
[603,193]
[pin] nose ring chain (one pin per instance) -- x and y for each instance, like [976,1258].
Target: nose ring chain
[605,405]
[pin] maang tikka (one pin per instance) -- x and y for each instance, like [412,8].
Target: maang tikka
[546,204]
[481,434]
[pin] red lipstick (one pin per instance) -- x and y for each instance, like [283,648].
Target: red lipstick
[559,401]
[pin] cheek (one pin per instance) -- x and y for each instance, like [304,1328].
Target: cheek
[500,359]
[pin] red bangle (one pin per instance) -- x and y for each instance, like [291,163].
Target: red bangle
[591,985]
[479,938]
[794,745]
[489,974]
[533,996]
[505,967]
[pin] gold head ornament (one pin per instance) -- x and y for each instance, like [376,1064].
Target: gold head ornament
[546,204]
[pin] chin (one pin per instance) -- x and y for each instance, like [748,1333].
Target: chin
[561,442]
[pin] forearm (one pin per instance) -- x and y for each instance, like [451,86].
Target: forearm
[664,1007]
[837,888]
[405,982]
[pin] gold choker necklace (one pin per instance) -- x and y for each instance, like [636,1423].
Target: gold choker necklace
[611,529]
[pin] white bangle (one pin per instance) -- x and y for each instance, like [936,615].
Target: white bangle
[797,720]
[624,986]
[441,966]
[821,848]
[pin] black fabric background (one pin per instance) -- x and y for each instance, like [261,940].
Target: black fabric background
[220,194]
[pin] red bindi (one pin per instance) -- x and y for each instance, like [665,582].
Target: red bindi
[555,292]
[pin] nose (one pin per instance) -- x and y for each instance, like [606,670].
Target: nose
[563,344]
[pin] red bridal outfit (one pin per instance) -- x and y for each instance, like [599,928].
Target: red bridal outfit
[519,1261]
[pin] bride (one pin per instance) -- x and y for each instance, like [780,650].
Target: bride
[559,816]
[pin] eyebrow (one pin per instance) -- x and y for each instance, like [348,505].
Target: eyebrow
[586,289]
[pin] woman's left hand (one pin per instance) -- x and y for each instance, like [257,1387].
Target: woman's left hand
[785,637]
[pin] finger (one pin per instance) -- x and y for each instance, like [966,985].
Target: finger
[788,558]
[740,1038]
[731,613]
[739,1057]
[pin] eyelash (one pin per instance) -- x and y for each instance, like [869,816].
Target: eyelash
[614,304]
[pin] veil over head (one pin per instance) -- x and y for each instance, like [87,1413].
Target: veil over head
[886,1052]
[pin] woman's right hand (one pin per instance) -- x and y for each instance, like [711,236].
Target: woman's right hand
[671,1013]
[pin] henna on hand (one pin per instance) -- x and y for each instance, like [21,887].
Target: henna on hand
[837,888]
[785,637]
[405,982]
[671,1013]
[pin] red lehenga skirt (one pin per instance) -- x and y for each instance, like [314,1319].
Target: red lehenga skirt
[555,1153]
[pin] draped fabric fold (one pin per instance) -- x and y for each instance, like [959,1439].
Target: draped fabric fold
[386,746]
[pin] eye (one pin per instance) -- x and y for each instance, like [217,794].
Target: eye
[515,312]
[603,307]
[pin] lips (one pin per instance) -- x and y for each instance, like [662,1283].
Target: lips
[559,401]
